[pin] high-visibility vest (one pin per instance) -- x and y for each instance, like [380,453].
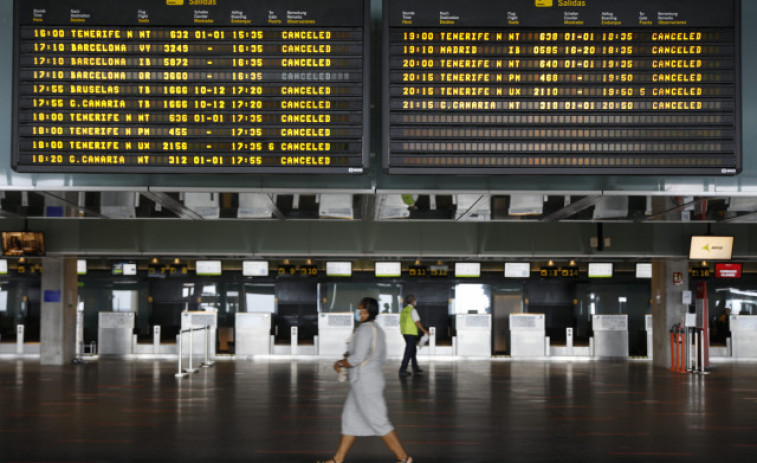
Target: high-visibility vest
[407,325]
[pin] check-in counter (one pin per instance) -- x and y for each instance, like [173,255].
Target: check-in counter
[198,320]
[114,333]
[252,334]
[743,336]
[610,336]
[527,335]
[395,343]
[474,334]
[334,329]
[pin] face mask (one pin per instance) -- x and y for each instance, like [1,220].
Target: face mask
[357,316]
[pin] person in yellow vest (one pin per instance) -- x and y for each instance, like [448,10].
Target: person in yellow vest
[410,323]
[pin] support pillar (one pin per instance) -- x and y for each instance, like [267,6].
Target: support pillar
[670,279]
[58,311]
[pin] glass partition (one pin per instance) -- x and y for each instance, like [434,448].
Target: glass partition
[125,300]
[344,297]
[471,299]
[260,298]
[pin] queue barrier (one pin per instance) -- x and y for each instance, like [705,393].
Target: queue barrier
[687,350]
[677,351]
[206,363]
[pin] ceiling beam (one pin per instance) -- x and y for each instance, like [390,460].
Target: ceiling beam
[696,202]
[173,205]
[74,204]
[572,209]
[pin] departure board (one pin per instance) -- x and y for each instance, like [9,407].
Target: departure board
[163,86]
[562,87]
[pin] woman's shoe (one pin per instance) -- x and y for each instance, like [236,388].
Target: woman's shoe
[406,460]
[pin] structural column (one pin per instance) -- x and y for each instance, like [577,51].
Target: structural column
[669,280]
[58,311]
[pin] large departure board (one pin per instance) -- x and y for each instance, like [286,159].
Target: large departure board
[230,86]
[562,86]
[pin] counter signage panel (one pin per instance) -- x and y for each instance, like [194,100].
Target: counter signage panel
[701,273]
[253,268]
[644,270]
[418,271]
[728,270]
[562,86]
[308,270]
[517,270]
[234,86]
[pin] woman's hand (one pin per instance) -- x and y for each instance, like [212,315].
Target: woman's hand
[339,364]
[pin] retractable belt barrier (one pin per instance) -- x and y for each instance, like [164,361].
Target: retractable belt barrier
[205,364]
[687,350]
[677,350]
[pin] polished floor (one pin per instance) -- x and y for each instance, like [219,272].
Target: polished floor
[459,411]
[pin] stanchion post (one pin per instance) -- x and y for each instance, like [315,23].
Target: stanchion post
[191,353]
[180,374]
[695,350]
[672,351]
[207,363]
[703,365]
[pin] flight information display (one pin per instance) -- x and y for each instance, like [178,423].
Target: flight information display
[230,86]
[562,87]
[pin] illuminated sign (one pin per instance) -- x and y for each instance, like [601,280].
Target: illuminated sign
[81,267]
[285,270]
[3,266]
[201,86]
[597,270]
[339,269]
[388,269]
[711,247]
[308,270]
[251,268]
[467,269]
[644,270]
[124,268]
[728,270]
[549,271]
[552,271]
[208,267]
[573,86]
[417,271]
[439,271]
[517,270]
[700,273]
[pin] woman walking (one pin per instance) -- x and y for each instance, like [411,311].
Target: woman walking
[364,411]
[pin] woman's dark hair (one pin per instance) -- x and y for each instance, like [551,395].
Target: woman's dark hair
[409,299]
[371,305]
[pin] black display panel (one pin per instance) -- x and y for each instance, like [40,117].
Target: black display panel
[562,87]
[231,86]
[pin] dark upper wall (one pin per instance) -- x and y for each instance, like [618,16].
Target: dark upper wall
[353,239]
